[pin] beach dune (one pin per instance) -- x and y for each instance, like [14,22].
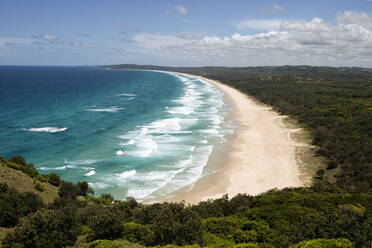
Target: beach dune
[263,154]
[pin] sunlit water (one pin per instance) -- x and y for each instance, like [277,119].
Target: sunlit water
[128,133]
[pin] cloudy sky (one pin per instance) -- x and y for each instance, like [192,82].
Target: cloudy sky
[186,33]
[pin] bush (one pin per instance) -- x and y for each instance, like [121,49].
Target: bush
[175,224]
[14,205]
[104,223]
[108,197]
[82,188]
[245,236]
[138,233]
[67,190]
[18,160]
[110,244]
[45,229]
[39,187]
[54,179]
[324,243]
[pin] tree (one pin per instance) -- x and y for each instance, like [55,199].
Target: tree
[14,205]
[105,223]
[54,179]
[18,160]
[45,229]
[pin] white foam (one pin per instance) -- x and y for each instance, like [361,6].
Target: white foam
[158,179]
[82,162]
[90,173]
[184,110]
[119,153]
[130,142]
[209,131]
[99,185]
[164,125]
[146,147]
[46,129]
[57,168]
[126,174]
[112,109]
[126,94]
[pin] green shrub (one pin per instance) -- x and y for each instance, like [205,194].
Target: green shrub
[324,243]
[39,187]
[111,244]
[138,233]
[45,229]
[42,178]
[86,229]
[245,236]
[54,179]
[18,160]
[246,245]
[223,227]
[176,224]
[15,205]
[105,223]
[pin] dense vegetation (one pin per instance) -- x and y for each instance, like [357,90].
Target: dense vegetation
[320,216]
[334,104]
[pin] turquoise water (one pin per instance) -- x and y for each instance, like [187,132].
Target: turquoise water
[128,133]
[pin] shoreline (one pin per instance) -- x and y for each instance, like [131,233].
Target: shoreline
[264,153]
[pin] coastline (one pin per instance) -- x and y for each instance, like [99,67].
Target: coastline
[267,151]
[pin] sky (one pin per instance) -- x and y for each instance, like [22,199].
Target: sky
[186,32]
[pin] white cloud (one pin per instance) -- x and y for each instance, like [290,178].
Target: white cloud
[186,35]
[48,36]
[157,41]
[348,42]
[80,45]
[315,25]
[270,24]
[275,7]
[353,17]
[181,9]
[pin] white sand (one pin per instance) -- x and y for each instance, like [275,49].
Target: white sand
[263,155]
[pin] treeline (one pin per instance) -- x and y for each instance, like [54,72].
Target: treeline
[334,104]
[302,217]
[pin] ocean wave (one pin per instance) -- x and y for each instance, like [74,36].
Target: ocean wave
[90,173]
[119,153]
[82,162]
[146,147]
[157,179]
[57,168]
[126,174]
[112,109]
[126,94]
[99,185]
[46,129]
[130,142]
[184,110]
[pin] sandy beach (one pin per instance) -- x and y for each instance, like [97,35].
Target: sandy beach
[264,154]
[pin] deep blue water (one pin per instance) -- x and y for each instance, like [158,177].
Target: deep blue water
[126,132]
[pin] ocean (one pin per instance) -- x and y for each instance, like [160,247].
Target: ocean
[134,133]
